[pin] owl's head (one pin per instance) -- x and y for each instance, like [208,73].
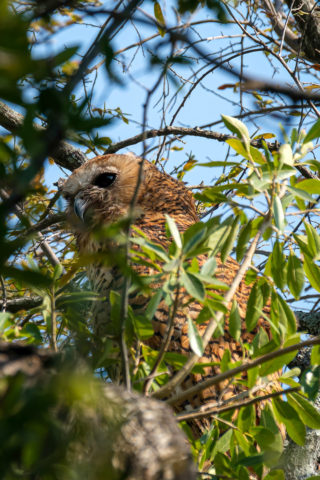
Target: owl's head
[101,190]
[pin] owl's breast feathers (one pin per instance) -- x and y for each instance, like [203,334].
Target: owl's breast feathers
[158,195]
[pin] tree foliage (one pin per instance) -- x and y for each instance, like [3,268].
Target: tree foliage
[257,200]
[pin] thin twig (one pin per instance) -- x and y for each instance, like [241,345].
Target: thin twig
[248,365]
[193,415]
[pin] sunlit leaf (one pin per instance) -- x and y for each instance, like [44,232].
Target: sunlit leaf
[239,128]
[174,231]
[278,214]
[195,340]
[313,272]
[314,132]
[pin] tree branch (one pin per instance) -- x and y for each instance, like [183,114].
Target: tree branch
[64,154]
[248,365]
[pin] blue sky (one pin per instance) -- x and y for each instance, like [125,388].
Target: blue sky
[205,105]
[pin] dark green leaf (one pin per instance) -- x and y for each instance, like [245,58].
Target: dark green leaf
[243,240]
[193,285]
[254,307]
[287,415]
[295,275]
[229,243]
[153,305]
[246,418]
[235,321]
[28,277]
[306,411]
[64,55]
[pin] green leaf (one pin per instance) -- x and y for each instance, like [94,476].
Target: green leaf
[243,240]
[278,265]
[239,128]
[278,214]
[314,132]
[267,440]
[31,330]
[268,420]
[235,321]
[153,304]
[287,415]
[315,355]
[209,267]
[193,285]
[195,340]
[254,307]
[6,320]
[313,240]
[174,231]
[193,236]
[297,192]
[275,475]
[285,155]
[246,418]
[278,363]
[229,243]
[154,247]
[303,244]
[223,443]
[28,277]
[307,412]
[159,16]
[64,55]
[310,185]
[237,145]
[142,325]
[312,271]
[252,460]
[295,275]
[290,319]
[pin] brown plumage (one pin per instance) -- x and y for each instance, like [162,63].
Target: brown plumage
[101,192]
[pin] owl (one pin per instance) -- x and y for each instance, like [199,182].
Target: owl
[100,193]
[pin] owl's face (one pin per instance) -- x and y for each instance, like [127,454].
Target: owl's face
[101,190]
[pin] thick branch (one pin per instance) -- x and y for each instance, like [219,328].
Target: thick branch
[64,154]
[21,303]
[308,23]
[194,132]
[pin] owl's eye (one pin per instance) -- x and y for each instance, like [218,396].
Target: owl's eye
[104,180]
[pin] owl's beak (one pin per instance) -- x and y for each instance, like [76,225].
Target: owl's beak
[79,207]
